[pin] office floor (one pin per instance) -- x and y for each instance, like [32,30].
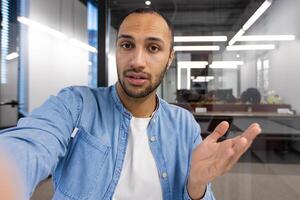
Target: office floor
[251,179]
[256,181]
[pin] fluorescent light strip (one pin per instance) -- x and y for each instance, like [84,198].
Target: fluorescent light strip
[197,48]
[83,45]
[32,24]
[223,67]
[202,79]
[257,14]
[192,64]
[41,27]
[200,38]
[251,21]
[178,78]
[188,80]
[266,38]
[225,64]
[12,56]
[250,47]
[228,62]
[236,36]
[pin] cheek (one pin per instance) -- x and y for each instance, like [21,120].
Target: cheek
[163,57]
[157,61]
[120,62]
[122,59]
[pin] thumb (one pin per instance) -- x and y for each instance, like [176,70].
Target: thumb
[219,131]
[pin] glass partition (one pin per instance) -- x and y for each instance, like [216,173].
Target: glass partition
[238,60]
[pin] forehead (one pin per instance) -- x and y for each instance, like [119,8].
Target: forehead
[145,25]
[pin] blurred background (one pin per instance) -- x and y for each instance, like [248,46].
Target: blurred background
[236,60]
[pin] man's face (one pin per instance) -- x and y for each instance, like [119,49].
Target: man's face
[142,53]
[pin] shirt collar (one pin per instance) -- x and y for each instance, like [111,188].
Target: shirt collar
[124,111]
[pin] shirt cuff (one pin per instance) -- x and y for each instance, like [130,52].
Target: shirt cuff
[208,195]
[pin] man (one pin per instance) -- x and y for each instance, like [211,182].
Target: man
[123,142]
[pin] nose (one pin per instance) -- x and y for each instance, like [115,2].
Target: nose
[138,59]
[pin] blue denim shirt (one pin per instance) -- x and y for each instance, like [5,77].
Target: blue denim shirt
[87,166]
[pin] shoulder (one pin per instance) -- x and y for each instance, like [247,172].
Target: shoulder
[175,111]
[178,115]
[84,89]
[84,92]
[182,121]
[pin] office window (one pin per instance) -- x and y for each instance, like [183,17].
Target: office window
[263,66]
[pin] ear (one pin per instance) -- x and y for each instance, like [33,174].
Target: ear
[171,58]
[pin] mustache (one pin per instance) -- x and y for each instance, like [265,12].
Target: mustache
[140,71]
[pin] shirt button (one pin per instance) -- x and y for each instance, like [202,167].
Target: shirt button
[152,138]
[164,175]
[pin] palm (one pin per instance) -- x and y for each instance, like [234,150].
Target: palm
[211,159]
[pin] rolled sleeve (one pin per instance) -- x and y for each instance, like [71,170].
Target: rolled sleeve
[208,194]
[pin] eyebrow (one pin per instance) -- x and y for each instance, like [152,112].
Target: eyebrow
[155,39]
[149,38]
[125,36]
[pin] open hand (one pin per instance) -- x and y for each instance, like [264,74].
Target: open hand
[211,159]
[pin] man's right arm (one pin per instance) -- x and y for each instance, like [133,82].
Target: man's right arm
[38,141]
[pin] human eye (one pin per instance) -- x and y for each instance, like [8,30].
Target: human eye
[153,48]
[126,45]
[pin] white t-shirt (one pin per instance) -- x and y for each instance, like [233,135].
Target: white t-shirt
[139,177]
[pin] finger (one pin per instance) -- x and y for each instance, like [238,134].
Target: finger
[252,131]
[240,147]
[242,143]
[219,131]
[225,159]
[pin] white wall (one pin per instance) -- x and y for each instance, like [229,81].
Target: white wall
[54,63]
[229,80]
[285,60]
[248,72]
[224,78]
[282,18]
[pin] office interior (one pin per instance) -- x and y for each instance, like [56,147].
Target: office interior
[236,60]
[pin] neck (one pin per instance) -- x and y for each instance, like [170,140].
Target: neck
[138,107]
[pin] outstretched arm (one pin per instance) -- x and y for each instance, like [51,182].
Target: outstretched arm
[37,143]
[10,182]
[211,159]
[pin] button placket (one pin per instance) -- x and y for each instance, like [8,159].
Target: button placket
[152,138]
[164,175]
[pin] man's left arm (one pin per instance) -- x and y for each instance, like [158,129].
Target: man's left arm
[205,190]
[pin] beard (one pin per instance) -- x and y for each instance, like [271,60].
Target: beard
[134,93]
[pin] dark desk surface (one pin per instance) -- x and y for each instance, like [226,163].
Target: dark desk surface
[244,114]
[273,125]
[268,126]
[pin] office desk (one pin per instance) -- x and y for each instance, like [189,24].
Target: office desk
[243,114]
[274,126]
[280,137]
[271,123]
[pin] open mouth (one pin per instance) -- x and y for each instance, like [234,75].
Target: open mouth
[136,79]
